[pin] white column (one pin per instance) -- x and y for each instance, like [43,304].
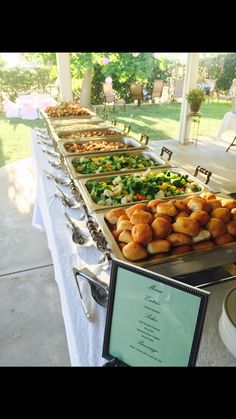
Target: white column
[190,81]
[64,76]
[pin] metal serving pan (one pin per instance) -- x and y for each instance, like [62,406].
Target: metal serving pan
[55,119]
[132,142]
[149,154]
[80,184]
[173,265]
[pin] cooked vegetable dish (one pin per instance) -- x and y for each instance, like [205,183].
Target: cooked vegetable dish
[131,188]
[115,162]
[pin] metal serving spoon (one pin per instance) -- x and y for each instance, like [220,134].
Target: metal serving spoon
[77,236]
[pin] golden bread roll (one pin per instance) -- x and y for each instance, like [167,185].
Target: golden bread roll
[158,246]
[179,239]
[226,238]
[203,245]
[124,225]
[216,227]
[181,249]
[152,205]
[202,235]
[122,218]
[166,209]
[142,233]
[136,207]
[233,214]
[215,203]
[115,234]
[221,213]
[113,215]
[228,203]
[181,214]
[134,251]
[231,228]
[179,205]
[161,228]
[199,204]
[186,225]
[186,200]
[201,216]
[208,196]
[125,236]
[141,216]
[167,217]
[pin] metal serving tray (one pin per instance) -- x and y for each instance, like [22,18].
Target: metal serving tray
[135,144]
[173,265]
[80,184]
[150,154]
[55,119]
[60,132]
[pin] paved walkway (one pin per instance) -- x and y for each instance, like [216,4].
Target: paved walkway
[32,330]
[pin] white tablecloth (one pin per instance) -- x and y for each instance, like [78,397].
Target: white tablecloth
[85,339]
[228,123]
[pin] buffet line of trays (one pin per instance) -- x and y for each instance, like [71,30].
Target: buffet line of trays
[151,213]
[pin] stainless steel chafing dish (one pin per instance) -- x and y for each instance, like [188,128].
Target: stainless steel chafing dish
[55,119]
[148,154]
[81,185]
[173,265]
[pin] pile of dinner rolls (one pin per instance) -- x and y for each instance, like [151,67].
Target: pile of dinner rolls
[164,228]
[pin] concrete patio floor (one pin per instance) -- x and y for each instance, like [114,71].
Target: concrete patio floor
[32,330]
[31,325]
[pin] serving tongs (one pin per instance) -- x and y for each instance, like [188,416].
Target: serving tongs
[55,164]
[67,201]
[50,152]
[86,312]
[40,141]
[77,236]
[57,179]
[99,289]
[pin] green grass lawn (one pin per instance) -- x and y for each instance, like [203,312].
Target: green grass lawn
[15,138]
[160,122]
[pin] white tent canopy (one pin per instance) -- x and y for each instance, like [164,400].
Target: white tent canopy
[190,81]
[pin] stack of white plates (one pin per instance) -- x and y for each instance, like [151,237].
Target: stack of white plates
[227,322]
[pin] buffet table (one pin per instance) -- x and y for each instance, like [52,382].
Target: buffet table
[84,336]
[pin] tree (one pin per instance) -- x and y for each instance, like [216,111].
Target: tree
[228,74]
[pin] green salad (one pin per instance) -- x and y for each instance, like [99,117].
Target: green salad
[109,163]
[138,187]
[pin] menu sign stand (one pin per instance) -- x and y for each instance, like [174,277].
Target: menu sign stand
[152,320]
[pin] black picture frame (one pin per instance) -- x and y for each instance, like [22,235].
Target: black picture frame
[114,361]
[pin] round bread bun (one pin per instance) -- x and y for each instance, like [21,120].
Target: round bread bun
[203,245]
[186,225]
[181,214]
[199,204]
[233,214]
[122,218]
[153,204]
[186,200]
[231,228]
[208,196]
[215,203]
[179,205]
[125,236]
[142,233]
[124,225]
[134,251]
[113,215]
[158,246]
[228,203]
[115,234]
[181,249]
[226,238]
[201,216]
[141,216]
[136,207]
[161,228]
[202,235]
[166,209]
[167,217]
[221,213]
[216,227]
[179,239]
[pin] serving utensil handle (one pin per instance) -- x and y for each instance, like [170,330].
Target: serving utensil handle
[167,151]
[144,139]
[204,171]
